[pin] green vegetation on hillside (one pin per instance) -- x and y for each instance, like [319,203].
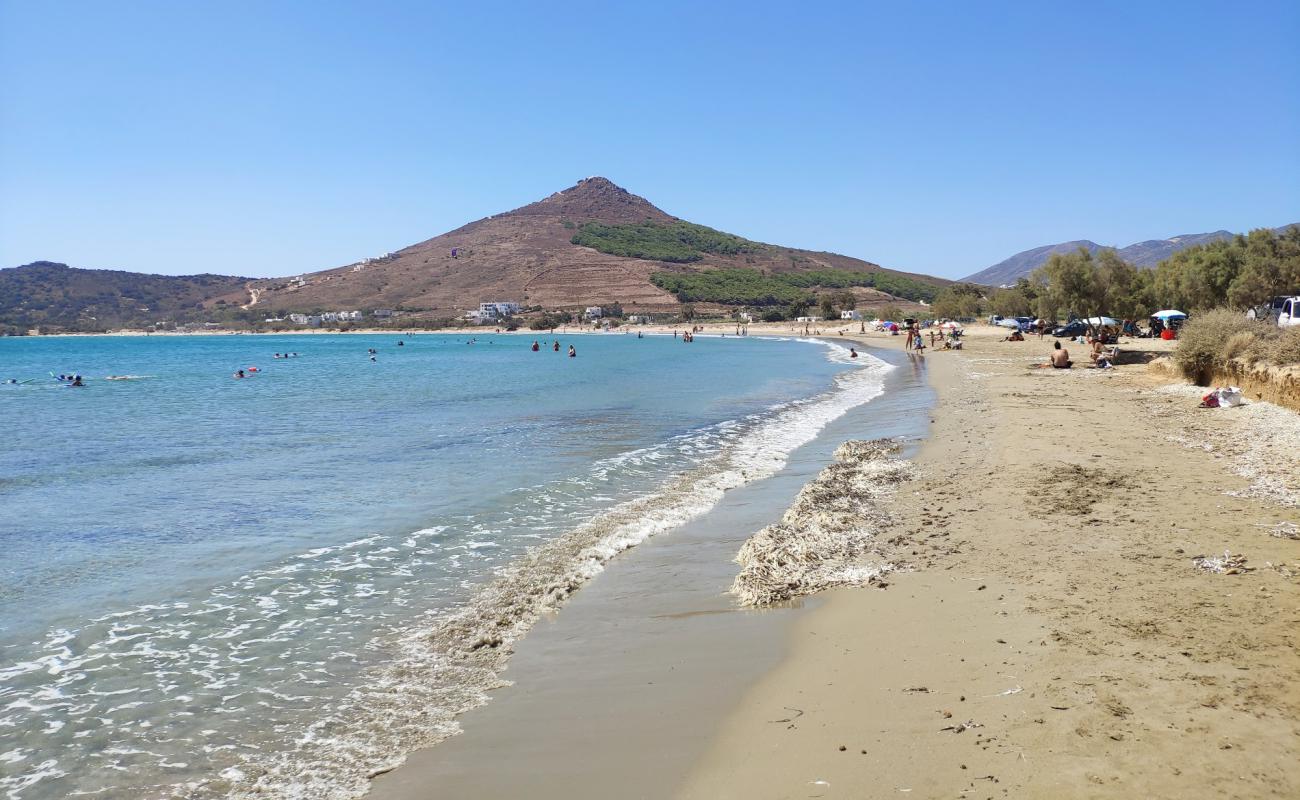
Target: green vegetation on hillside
[676,242]
[749,287]
[57,297]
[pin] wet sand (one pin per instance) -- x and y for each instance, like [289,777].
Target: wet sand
[619,693]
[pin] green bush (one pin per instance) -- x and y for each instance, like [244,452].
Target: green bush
[749,287]
[1208,341]
[676,242]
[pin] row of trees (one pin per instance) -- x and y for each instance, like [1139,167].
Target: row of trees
[1237,273]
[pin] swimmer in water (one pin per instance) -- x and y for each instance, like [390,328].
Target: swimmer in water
[573,353]
[76,381]
[853,353]
[536,347]
[239,374]
[556,346]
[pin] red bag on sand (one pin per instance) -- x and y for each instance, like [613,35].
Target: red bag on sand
[1211,400]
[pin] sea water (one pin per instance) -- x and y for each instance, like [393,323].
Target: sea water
[213,586]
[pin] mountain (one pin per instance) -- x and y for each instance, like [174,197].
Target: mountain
[594,243]
[1143,254]
[45,294]
[591,244]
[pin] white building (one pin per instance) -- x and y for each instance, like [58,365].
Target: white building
[850,315]
[593,312]
[382,313]
[639,319]
[299,319]
[498,309]
[808,319]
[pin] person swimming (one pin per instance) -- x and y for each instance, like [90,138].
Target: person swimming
[573,352]
[401,343]
[238,374]
[76,381]
[556,346]
[853,353]
[536,347]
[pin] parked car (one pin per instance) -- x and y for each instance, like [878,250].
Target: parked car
[1283,310]
[1071,329]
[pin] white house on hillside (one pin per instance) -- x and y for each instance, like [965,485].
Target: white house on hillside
[593,312]
[850,315]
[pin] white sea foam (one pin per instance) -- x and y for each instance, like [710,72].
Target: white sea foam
[253,648]
[446,669]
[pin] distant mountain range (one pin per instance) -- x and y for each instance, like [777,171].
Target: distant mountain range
[593,243]
[1143,254]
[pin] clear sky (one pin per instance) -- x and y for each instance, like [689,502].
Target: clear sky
[271,138]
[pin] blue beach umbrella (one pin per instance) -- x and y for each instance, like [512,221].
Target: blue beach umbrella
[1168,314]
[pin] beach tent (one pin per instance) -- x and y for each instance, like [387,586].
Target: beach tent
[951,325]
[1169,314]
[1009,322]
[1100,321]
[893,326]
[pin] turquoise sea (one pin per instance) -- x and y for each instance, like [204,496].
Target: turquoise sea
[215,587]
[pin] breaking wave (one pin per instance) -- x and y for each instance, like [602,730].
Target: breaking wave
[411,679]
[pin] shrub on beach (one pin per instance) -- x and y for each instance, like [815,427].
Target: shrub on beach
[1209,341]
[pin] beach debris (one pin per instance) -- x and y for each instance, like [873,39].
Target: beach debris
[798,712]
[1228,564]
[962,726]
[1282,530]
[924,689]
[1012,690]
[827,536]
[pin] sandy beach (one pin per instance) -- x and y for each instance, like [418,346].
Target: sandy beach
[1056,638]
[1049,632]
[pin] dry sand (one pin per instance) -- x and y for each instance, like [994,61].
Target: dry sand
[1056,638]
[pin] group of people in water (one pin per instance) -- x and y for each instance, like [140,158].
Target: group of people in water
[555,347]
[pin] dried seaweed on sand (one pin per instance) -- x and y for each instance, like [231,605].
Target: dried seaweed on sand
[826,538]
[1227,564]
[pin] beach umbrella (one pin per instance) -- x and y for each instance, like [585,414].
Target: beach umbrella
[1168,314]
[951,325]
[1101,321]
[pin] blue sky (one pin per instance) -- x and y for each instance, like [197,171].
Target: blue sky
[271,138]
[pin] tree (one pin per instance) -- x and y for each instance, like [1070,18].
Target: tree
[827,307]
[846,300]
[959,300]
